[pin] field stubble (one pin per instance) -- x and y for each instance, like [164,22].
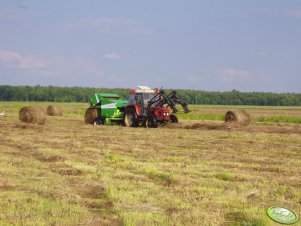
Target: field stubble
[69,173]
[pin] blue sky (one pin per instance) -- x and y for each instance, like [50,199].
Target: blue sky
[198,44]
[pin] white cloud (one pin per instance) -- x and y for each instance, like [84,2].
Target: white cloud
[112,56]
[76,68]
[7,56]
[294,13]
[231,75]
[72,67]
[12,59]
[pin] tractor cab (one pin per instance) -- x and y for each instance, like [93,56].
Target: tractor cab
[139,99]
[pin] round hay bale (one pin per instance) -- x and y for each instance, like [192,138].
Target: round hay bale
[90,115]
[32,114]
[240,117]
[54,110]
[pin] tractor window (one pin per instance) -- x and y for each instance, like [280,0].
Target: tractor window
[147,97]
[132,100]
[139,98]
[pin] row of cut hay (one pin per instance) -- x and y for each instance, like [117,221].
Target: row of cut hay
[32,114]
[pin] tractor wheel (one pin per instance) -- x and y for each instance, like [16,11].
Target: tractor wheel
[174,119]
[151,122]
[130,119]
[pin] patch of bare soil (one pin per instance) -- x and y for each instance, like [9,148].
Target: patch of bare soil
[96,205]
[238,218]
[91,189]
[51,158]
[94,193]
[28,126]
[105,222]
[278,128]
[6,186]
[64,169]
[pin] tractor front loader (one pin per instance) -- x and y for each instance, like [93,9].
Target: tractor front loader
[161,99]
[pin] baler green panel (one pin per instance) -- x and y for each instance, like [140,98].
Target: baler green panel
[108,113]
[110,109]
[109,105]
[98,98]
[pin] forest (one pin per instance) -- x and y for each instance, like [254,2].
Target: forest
[82,94]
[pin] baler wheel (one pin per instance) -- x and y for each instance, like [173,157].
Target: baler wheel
[98,121]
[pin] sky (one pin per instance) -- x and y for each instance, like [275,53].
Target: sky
[212,45]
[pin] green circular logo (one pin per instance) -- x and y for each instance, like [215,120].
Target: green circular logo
[282,215]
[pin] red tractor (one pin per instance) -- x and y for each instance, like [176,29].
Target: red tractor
[150,107]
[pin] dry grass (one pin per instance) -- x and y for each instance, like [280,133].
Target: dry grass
[70,173]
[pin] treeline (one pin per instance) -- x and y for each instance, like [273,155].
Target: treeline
[82,94]
[53,93]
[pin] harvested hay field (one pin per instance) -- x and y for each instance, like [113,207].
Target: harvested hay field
[192,173]
[32,114]
[54,110]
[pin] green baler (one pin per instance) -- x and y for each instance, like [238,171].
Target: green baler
[105,108]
